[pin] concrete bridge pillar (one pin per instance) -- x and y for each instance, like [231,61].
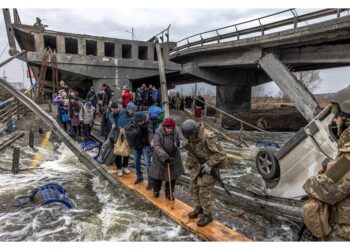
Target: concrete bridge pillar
[233,98]
[61,46]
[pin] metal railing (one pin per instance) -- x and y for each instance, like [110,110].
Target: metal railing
[260,28]
[161,35]
[12,107]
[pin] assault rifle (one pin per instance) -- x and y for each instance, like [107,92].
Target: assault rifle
[212,172]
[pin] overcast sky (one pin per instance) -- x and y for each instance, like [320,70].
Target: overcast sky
[146,23]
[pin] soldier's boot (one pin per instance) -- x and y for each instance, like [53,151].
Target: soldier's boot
[196,212]
[207,218]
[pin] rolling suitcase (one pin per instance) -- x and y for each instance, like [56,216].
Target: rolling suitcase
[106,155]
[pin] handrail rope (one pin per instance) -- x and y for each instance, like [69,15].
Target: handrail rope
[237,119]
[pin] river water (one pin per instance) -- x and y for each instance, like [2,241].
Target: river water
[103,211]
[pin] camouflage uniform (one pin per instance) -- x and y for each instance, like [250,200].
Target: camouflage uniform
[208,147]
[336,194]
[177,102]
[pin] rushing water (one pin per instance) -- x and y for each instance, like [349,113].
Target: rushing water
[103,211]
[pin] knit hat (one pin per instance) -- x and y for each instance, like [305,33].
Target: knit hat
[169,123]
[114,105]
[139,116]
[88,104]
[131,106]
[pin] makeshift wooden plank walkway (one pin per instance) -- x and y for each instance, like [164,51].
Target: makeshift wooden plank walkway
[177,210]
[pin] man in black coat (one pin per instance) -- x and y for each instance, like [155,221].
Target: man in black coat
[107,95]
[140,137]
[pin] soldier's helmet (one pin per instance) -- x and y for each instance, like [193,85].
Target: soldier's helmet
[342,98]
[189,127]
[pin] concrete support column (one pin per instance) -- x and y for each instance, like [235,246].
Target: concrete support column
[150,52]
[100,48]
[233,98]
[118,50]
[10,33]
[61,46]
[39,42]
[134,51]
[165,53]
[304,101]
[81,47]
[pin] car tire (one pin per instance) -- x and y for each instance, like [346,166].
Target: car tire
[267,165]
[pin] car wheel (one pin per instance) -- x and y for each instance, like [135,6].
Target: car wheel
[267,165]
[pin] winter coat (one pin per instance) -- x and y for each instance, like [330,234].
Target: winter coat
[155,95]
[336,194]
[165,147]
[126,98]
[86,116]
[73,111]
[113,117]
[123,119]
[139,136]
[107,95]
[62,107]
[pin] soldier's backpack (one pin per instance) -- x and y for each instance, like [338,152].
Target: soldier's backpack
[316,216]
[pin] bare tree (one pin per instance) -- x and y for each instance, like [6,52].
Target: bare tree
[310,79]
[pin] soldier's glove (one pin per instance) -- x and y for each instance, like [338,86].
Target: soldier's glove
[206,169]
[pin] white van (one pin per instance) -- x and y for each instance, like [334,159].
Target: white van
[286,170]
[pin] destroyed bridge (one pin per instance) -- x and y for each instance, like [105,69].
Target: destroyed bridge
[235,58]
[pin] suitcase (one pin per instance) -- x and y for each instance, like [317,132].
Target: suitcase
[106,155]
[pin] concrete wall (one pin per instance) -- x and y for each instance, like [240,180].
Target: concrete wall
[60,39]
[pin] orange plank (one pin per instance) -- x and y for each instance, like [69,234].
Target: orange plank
[177,210]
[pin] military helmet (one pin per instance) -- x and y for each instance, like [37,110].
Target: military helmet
[189,127]
[342,98]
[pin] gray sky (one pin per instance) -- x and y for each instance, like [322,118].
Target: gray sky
[146,23]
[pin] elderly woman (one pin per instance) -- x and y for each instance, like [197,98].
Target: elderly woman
[167,164]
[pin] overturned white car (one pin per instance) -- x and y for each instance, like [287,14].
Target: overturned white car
[286,170]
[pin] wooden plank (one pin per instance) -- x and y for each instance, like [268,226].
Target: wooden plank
[177,210]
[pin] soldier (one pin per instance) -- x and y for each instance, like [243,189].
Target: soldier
[206,146]
[333,186]
[177,99]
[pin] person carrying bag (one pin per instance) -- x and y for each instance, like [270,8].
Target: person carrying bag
[121,147]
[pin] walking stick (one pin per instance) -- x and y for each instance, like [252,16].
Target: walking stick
[171,192]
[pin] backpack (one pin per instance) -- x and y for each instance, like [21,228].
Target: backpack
[64,117]
[316,216]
